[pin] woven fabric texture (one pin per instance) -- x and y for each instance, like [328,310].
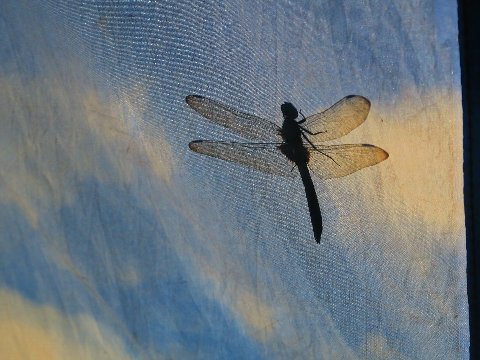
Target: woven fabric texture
[119,242]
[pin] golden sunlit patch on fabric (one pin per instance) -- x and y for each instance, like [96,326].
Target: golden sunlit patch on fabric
[409,208]
[423,174]
[31,331]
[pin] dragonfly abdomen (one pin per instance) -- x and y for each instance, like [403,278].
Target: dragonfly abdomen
[312,200]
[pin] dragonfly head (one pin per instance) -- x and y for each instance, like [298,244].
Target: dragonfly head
[289,111]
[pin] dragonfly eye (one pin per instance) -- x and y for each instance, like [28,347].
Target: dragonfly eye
[289,111]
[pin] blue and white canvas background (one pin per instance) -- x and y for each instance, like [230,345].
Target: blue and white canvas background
[117,242]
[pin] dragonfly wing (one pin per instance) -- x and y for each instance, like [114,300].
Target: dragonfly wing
[340,160]
[262,157]
[339,119]
[246,125]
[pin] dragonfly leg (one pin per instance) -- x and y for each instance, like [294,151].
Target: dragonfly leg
[321,152]
[310,133]
[306,130]
[308,140]
[303,116]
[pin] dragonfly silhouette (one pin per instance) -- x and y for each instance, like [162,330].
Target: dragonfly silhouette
[276,149]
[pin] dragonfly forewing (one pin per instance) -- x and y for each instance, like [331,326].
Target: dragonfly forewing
[340,160]
[339,119]
[263,157]
[246,125]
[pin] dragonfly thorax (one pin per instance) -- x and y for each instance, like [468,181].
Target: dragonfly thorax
[291,132]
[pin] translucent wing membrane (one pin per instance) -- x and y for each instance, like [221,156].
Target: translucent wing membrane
[340,160]
[339,119]
[246,125]
[264,157]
